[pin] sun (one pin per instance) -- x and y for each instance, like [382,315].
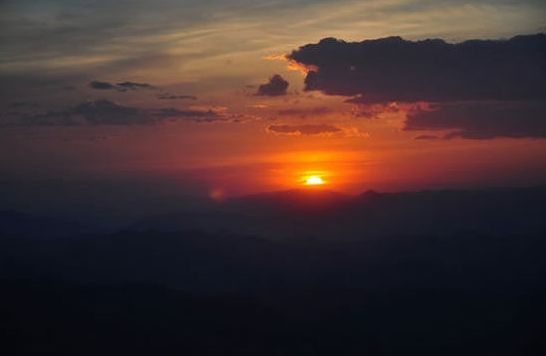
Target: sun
[314,180]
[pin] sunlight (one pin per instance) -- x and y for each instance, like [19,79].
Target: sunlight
[314,180]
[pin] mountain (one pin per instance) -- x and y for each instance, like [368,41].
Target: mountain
[14,223]
[288,273]
[295,200]
[268,241]
[329,215]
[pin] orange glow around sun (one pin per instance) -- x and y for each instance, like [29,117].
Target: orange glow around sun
[314,180]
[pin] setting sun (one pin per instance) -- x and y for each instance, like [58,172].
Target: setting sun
[314,180]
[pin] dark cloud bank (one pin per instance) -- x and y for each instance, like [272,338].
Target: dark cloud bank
[479,120]
[481,88]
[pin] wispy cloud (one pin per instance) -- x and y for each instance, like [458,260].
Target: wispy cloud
[105,112]
[122,86]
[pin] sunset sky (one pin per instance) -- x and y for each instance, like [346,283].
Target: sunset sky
[236,96]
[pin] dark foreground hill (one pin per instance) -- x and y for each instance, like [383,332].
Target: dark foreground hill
[62,319]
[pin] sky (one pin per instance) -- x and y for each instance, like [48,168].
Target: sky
[223,98]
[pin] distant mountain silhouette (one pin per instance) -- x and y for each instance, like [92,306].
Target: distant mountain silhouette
[242,243]
[327,214]
[295,199]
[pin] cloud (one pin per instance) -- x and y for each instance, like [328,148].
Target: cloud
[476,89]
[374,111]
[122,86]
[426,137]
[22,105]
[275,87]
[304,112]
[168,96]
[291,64]
[95,84]
[482,120]
[105,112]
[394,69]
[306,130]
[134,85]
[196,115]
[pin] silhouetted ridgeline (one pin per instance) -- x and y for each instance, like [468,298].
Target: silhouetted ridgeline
[330,215]
[429,273]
